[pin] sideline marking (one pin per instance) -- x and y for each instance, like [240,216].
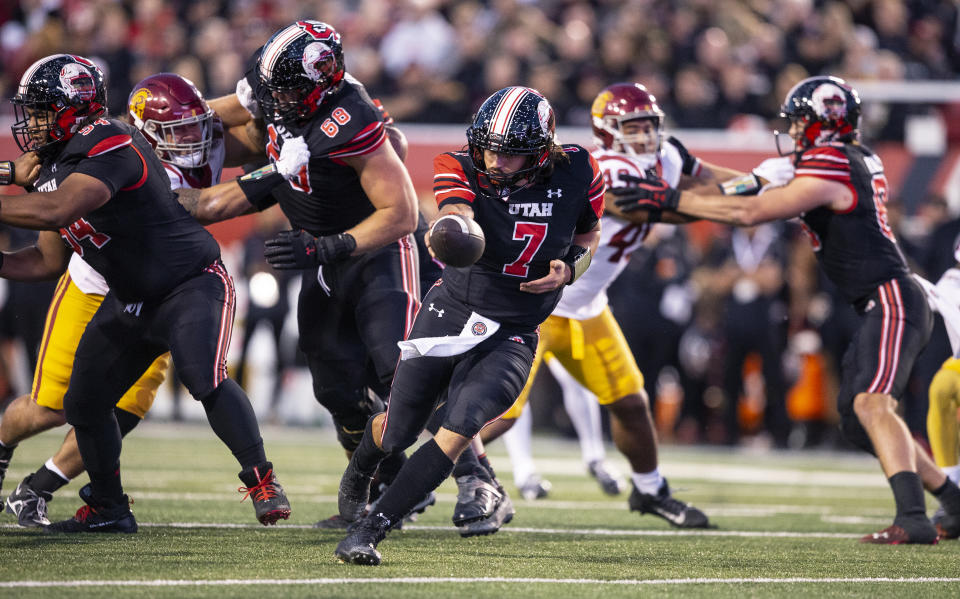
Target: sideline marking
[425,580]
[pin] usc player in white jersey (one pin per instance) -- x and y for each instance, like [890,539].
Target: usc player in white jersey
[173,116]
[582,334]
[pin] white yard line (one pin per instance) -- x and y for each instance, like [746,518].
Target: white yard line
[442,580]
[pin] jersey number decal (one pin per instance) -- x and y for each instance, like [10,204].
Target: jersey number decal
[534,234]
[302,182]
[625,238]
[331,128]
[81,230]
[879,184]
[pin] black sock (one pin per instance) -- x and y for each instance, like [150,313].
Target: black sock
[5,454]
[908,494]
[232,418]
[485,462]
[99,441]
[468,465]
[367,456]
[423,472]
[949,496]
[46,480]
[390,466]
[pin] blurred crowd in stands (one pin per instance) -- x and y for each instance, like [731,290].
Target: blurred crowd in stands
[740,332]
[709,62]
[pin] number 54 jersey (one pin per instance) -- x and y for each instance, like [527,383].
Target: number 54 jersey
[523,232]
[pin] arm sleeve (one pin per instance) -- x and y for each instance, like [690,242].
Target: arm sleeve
[450,184]
[594,206]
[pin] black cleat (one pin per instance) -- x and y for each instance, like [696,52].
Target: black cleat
[28,505]
[664,505]
[97,516]
[487,526]
[269,501]
[948,526]
[477,499]
[360,545]
[354,493]
[610,481]
[334,522]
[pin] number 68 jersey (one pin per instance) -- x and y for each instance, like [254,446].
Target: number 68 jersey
[618,238]
[523,232]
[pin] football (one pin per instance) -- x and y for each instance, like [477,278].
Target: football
[457,240]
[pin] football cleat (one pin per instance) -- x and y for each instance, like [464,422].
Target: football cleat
[97,516]
[664,505]
[534,488]
[28,505]
[898,535]
[354,493]
[607,476]
[948,526]
[334,522]
[269,501]
[360,545]
[476,499]
[487,526]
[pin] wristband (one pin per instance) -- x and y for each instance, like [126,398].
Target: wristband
[8,173]
[334,248]
[745,185]
[258,184]
[578,259]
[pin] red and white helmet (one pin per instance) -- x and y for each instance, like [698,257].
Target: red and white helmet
[617,104]
[171,113]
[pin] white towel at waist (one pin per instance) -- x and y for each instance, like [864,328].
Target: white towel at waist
[477,329]
[944,297]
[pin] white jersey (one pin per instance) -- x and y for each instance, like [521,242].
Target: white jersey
[618,238]
[87,279]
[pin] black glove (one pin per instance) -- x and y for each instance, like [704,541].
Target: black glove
[691,164]
[291,250]
[648,194]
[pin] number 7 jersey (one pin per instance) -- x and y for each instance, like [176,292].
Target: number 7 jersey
[523,232]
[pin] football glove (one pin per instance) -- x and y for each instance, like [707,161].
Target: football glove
[691,164]
[645,194]
[291,250]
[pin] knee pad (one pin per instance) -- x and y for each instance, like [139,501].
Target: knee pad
[854,432]
[350,410]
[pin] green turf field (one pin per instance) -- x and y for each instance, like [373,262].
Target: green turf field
[788,525]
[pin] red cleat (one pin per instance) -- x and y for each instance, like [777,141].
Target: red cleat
[897,535]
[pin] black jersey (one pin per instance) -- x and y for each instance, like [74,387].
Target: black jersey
[523,233]
[141,240]
[856,247]
[327,197]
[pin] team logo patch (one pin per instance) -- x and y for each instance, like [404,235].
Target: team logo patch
[77,82]
[479,329]
[314,55]
[830,102]
[138,101]
[601,103]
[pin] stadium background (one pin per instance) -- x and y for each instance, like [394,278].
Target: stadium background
[719,69]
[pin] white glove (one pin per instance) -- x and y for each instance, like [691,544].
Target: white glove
[245,95]
[777,171]
[293,156]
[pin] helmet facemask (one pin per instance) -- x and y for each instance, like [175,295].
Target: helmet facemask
[631,130]
[184,142]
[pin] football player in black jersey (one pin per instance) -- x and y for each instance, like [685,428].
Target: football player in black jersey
[352,207]
[101,191]
[539,205]
[839,192]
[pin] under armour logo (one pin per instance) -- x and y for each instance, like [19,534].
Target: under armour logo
[550,193]
[881,535]
[133,308]
[439,312]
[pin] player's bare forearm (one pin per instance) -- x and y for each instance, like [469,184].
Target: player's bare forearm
[589,240]
[47,259]
[243,144]
[384,226]
[214,204]
[387,183]
[53,210]
[230,111]
[710,173]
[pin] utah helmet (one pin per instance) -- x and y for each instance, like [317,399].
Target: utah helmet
[823,109]
[171,113]
[517,121]
[297,67]
[619,103]
[56,96]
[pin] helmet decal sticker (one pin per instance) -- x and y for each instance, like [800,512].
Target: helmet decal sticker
[76,82]
[314,55]
[543,113]
[829,101]
[138,102]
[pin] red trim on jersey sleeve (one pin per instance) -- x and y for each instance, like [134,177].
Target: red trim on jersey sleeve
[110,143]
[368,140]
[143,177]
[450,182]
[824,162]
[387,119]
[597,188]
